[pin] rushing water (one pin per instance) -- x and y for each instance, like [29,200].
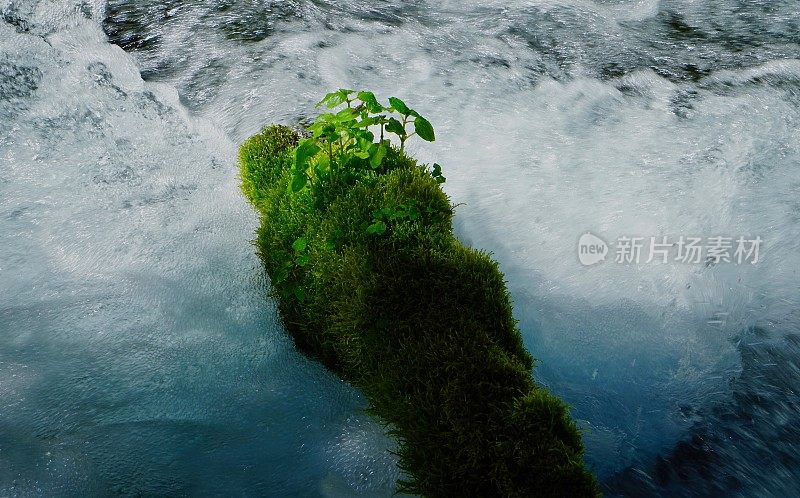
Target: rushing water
[139,353]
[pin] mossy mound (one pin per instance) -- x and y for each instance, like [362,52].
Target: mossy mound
[420,323]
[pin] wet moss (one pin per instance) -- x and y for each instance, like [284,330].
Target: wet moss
[420,323]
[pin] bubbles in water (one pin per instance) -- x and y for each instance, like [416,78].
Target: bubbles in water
[140,354]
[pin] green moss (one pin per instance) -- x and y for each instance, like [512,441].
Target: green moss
[420,323]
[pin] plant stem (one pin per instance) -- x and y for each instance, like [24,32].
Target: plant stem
[405,136]
[330,159]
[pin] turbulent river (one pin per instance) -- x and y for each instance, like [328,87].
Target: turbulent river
[140,353]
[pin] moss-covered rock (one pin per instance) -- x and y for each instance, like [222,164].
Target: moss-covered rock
[420,323]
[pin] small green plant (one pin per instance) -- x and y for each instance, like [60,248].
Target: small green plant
[436,173]
[382,217]
[343,146]
[300,246]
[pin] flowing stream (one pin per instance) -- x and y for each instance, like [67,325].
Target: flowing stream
[140,353]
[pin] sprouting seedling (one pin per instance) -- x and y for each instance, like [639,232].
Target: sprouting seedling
[343,141]
[436,173]
[382,217]
[422,127]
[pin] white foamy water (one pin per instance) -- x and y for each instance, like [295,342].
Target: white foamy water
[124,231]
[139,353]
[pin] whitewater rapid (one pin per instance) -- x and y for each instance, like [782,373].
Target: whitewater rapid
[139,351]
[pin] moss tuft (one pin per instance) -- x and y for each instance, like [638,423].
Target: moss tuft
[420,323]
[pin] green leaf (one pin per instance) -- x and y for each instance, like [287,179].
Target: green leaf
[306,149]
[299,181]
[300,244]
[365,122]
[367,136]
[437,173]
[399,106]
[335,99]
[302,259]
[346,115]
[364,143]
[395,126]
[377,228]
[300,294]
[377,158]
[424,129]
[370,102]
[332,100]
[323,162]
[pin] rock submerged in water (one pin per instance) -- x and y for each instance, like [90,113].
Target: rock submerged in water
[419,322]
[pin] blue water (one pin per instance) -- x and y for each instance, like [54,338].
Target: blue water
[140,353]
